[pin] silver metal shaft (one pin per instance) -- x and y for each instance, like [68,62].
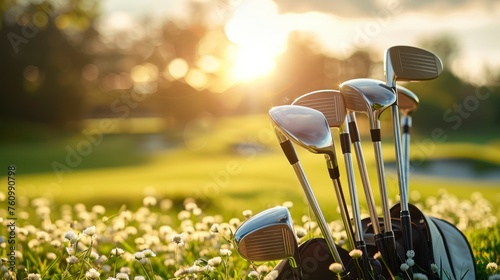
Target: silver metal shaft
[406,121]
[351,117]
[325,229]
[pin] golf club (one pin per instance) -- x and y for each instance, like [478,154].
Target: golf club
[372,97]
[269,236]
[406,63]
[331,104]
[288,121]
[407,103]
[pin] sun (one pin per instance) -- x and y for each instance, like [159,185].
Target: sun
[255,29]
[251,62]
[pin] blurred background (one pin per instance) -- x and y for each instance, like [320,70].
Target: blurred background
[107,101]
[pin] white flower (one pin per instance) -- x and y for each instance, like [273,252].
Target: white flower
[117,251]
[214,228]
[71,236]
[434,267]
[92,274]
[262,269]
[419,276]
[148,253]
[139,255]
[178,239]
[139,278]
[253,274]
[356,254]
[72,260]
[34,276]
[272,275]
[492,267]
[288,204]
[404,267]
[377,256]
[215,261]
[122,276]
[225,252]
[300,232]
[247,214]
[410,262]
[410,254]
[336,268]
[90,231]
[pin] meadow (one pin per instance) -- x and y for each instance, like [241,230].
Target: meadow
[95,205]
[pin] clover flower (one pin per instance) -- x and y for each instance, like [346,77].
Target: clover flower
[377,256]
[90,231]
[215,262]
[225,252]
[178,239]
[434,268]
[34,276]
[72,259]
[122,276]
[336,268]
[263,269]
[214,228]
[404,267]
[117,252]
[272,275]
[410,254]
[253,274]
[492,267]
[247,214]
[410,262]
[92,274]
[419,276]
[356,253]
[300,232]
[71,236]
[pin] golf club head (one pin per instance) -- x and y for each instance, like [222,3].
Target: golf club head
[368,96]
[328,102]
[406,63]
[267,236]
[407,101]
[305,126]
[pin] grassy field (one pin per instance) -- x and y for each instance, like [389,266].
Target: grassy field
[228,166]
[232,164]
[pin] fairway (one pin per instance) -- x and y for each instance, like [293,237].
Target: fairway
[232,165]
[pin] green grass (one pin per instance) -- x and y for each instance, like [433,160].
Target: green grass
[211,167]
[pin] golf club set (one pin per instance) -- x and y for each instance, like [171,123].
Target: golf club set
[400,243]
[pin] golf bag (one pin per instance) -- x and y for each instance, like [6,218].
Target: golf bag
[435,241]
[443,245]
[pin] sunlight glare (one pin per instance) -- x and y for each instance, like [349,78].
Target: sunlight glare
[256,30]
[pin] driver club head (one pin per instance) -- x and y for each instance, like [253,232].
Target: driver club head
[368,96]
[267,236]
[305,126]
[407,63]
[407,101]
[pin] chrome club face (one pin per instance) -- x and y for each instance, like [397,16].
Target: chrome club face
[304,126]
[368,96]
[267,236]
[407,101]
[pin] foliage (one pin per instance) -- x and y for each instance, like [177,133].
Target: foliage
[159,241]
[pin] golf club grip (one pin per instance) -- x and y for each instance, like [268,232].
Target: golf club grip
[407,231]
[390,248]
[289,151]
[344,143]
[334,172]
[353,131]
[375,135]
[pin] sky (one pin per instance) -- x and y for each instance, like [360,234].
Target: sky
[343,26]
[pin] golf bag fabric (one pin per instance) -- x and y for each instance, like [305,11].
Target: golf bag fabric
[447,247]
